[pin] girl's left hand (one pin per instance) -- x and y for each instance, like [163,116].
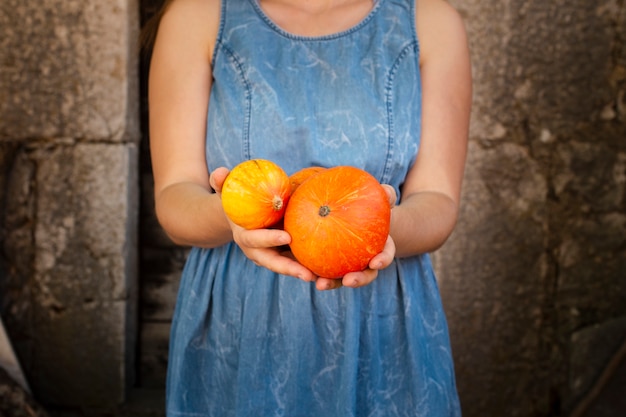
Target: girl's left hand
[378,262]
[365,277]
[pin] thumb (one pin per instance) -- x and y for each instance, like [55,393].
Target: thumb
[391,194]
[216,180]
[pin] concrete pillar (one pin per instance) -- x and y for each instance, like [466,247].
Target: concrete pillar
[69,135]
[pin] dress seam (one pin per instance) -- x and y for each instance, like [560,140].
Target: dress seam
[220,32]
[238,65]
[411,47]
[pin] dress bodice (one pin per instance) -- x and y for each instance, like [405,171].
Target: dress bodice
[350,98]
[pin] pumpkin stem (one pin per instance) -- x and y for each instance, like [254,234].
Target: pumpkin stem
[324,211]
[277,203]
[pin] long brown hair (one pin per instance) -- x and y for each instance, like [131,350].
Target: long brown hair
[149,29]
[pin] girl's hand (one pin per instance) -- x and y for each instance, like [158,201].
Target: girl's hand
[378,262]
[263,246]
[365,277]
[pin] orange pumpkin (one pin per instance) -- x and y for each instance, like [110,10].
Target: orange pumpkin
[304,174]
[338,220]
[255,194]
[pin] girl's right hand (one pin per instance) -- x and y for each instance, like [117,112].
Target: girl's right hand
[263,246]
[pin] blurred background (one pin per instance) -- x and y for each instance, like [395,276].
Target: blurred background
[533,278]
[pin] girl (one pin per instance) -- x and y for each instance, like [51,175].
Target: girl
[383,85]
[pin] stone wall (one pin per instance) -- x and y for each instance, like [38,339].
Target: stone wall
[534,277]
[69,134]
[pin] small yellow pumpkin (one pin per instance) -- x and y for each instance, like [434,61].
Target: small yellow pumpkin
[255,194]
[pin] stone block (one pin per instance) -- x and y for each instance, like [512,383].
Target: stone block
[83,304]
[68,69]
[535,58]
[68,133]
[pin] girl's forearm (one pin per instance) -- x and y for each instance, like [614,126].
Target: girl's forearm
[192,215]
[422,222]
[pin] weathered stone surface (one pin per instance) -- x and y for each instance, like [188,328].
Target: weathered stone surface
[15,401]
[592,349]
[493,278]
[17,217]
[544,66]
[160,280]
[68,78]
[79,330]
[68,68]
[85,271]
[537,260]
[609,399]
[155,338]
[540,250]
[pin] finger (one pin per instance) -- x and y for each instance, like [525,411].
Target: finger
[273,261]
[384,258]
[392,197]
[323,284]
[261,238]
[217,177]
[360,278]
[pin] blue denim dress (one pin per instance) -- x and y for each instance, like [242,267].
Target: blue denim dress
[248,342]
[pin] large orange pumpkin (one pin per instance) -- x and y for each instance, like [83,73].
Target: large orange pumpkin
[338,220]
[255,194]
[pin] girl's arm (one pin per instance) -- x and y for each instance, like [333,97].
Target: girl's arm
[179,84]
[179,87]
[430,199]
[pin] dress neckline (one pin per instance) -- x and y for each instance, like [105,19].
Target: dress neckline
[270,22]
